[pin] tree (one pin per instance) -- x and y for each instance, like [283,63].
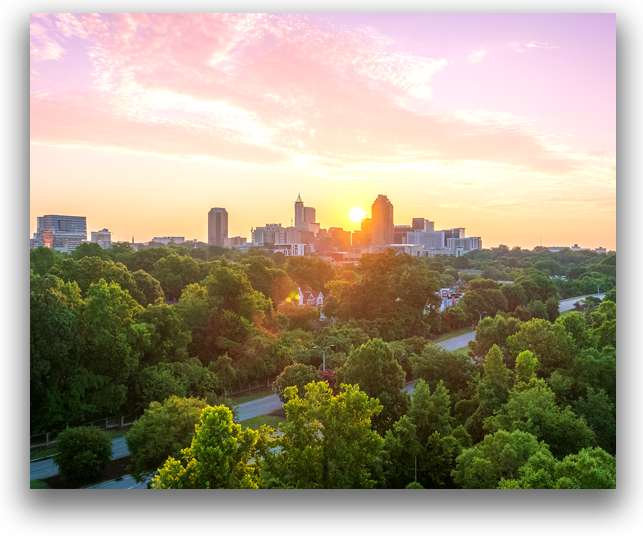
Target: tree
[297,375]
[89,250]
[55,325]
[83,453]
[374,368]
[162,431]
[610,295]
[42,259]
[591,468]
[175,272]
[422,443]
[437,364]
[218,458]
[328,442]
[600,412]
[498,456]
[576,325]
[534,411]
[149,287]
[552,308]
[490,332]
[551,344]
[515,295]
[491,393]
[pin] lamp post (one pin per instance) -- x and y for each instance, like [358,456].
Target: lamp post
[324,354]
[484,312]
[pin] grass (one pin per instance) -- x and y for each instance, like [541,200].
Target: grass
[37,484]
[453,334]
[462,350]
[252,395]
[46,451]
[258,421]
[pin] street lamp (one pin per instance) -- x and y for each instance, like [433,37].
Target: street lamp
[324,354]
[483,313]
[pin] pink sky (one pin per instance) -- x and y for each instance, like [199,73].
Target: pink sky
[503,124]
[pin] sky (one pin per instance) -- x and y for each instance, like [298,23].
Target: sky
[502,124]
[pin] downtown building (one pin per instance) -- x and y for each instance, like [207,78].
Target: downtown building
[103,238]
[62,233]
[382,227]
[217,226]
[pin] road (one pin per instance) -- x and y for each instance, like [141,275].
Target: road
[250,409]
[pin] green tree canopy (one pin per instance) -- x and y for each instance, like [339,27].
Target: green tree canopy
[328,442]
[297,375]
[162,431]
[374,368]
[219,457]
[498,456]
[83,453]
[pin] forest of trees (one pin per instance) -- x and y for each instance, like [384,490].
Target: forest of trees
[531,405]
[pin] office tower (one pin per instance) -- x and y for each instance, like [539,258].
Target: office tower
[299,212]
[309,214]
[422,224]
[382,221]
[103,238]
[217,226]
[62,233]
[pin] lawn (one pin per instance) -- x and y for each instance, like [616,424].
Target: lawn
[46,451]
[37,484]
[256,422]
[463,350]
[453,334]
[252,395]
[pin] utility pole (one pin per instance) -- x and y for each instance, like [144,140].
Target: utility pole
[324,354]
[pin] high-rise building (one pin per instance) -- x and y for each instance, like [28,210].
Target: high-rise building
[62,233]
[103,238]
[304,216]
[382,221]
[217,226]
[421,224]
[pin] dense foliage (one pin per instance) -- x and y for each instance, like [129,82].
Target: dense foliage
[170,330]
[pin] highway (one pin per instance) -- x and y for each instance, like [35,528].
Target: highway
[250,409]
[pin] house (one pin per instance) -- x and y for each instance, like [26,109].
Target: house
[314,299]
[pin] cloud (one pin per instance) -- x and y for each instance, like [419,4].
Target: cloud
[42,46]
[476,56]
[266,89]
[522,47]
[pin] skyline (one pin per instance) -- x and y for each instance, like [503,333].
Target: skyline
[502,124]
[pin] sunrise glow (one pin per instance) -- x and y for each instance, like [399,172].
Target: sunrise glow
[357,215]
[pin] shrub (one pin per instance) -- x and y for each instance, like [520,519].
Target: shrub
[83,453]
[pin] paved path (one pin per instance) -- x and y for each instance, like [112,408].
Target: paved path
[568,303]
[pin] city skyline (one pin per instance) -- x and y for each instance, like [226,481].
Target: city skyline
[504,124]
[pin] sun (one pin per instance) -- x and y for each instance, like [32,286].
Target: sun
[357,215]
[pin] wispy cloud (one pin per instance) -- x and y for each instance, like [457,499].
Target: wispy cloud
[522,47]
[267,89]
[476,56]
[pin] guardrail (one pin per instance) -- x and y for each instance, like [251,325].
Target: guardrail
[49,438]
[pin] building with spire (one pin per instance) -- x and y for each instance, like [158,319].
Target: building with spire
[382,227]
[305,217]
